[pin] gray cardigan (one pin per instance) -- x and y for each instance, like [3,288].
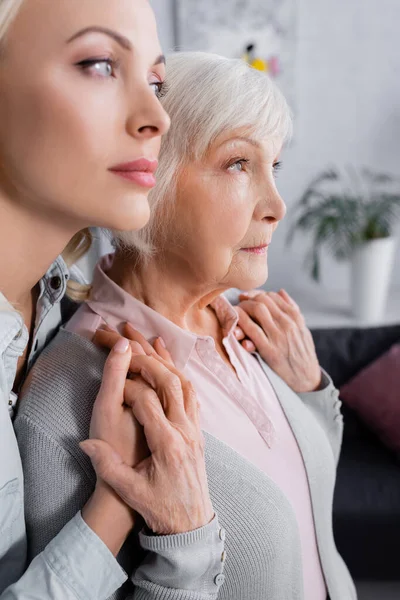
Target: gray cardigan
[263,555]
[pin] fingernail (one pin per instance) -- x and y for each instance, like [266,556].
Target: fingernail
[88,448]
[163,344]
[121,346]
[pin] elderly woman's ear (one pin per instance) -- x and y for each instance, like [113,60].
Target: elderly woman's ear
[272,324]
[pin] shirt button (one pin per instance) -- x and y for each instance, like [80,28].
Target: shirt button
[55,282]
[10,403]
[223,556]
[219,579]
[222,534]
[18,335]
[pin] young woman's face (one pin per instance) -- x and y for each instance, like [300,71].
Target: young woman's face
[78,103]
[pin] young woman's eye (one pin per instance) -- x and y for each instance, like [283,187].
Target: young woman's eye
[158,88]
[238,165]
[99,67]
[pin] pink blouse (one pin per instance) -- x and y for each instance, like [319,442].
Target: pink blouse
[241,410]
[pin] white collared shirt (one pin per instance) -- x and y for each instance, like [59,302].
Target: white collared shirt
[76,563]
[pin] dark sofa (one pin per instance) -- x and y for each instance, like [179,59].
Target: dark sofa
[366,511]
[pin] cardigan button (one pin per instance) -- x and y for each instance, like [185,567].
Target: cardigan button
[219,579]
[222,534]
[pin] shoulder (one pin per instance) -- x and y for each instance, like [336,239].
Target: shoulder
[62,386]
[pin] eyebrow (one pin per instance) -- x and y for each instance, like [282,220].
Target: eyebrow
[242,138]
[160,60]
[120,39]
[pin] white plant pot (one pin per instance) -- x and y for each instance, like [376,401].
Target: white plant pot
[371,268]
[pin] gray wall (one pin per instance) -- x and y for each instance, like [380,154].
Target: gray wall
[347,108]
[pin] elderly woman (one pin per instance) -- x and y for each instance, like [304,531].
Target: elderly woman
[271,420]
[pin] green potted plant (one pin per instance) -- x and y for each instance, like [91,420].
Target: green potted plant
[352,213]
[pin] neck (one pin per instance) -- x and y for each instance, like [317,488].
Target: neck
[167,286]
[29,243]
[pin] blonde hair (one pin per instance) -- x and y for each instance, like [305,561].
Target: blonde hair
[205,95]
[81,242]
[8,11]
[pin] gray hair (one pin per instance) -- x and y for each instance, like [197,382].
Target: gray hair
[205,95]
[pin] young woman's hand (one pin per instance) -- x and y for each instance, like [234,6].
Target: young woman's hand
[168,488]
[112,421]
[275,327]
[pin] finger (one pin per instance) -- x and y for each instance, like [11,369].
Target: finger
[283,293]
[253,331]
[107,338]
[147,409]
[282,311]
[192,405]
[132,334]
[289,300]
[239,334]
[161,349]
[111,393]
[166,381]
[109,466]
[277,315]
[249,346]
[259,311]
[250,295]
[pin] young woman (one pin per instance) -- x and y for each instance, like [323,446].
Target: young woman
[80,130]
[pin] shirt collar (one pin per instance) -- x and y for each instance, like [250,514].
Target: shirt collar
[13,331]
[14,334]
[53,284]
[116,307]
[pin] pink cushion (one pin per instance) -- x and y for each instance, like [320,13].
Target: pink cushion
[374,394]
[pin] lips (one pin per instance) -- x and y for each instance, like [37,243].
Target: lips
[260,250]
[140,172]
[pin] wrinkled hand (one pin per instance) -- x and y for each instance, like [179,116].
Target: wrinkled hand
[116,423]
[275,327]
[168,488]
[106,337]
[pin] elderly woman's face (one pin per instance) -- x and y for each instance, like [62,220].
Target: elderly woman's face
[227,209]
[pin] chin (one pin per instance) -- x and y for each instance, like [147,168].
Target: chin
[251,280]
[130,214]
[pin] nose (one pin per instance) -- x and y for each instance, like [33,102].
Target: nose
[147,118]
[273,208]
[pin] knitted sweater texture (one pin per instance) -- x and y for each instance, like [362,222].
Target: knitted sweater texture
[263,554]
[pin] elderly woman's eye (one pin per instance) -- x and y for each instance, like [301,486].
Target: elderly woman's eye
[277,167]
[238,165]
[99,67]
